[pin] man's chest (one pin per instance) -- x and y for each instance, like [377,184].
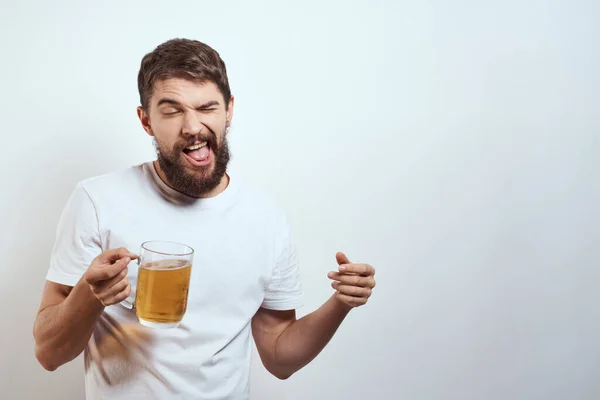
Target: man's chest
[233,256]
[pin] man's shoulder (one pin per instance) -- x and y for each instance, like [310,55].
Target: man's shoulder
[112,180]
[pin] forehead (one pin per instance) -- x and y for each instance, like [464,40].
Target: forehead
[186,91]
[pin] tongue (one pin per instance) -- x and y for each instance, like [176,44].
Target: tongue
[199,154]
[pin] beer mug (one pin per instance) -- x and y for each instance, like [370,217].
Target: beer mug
[163,281]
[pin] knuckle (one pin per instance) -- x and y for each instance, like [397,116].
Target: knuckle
[91,275]
[110,302]
[104,274]
[118,287]
[114,289]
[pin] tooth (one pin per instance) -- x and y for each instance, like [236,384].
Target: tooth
[197,146]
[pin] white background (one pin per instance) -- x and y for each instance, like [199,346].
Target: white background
[454,145]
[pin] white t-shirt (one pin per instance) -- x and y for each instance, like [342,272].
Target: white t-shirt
[244,259]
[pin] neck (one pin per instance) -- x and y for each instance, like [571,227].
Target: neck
[217,190]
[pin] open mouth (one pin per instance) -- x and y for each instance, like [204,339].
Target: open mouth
[198,154]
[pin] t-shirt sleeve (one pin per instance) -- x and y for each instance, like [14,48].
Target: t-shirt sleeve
[77,240]
[285,289]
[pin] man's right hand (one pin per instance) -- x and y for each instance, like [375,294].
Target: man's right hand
[107,276]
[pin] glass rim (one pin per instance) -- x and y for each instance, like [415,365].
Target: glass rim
[189,251]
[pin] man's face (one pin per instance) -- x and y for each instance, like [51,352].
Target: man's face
[189,122]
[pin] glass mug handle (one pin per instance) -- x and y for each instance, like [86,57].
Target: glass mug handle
[129,302]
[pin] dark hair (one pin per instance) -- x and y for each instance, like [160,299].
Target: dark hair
[182,58]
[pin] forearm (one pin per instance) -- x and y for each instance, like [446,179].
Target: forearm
[62,331]
[304,339]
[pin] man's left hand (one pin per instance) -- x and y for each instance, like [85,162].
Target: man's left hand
[354,283]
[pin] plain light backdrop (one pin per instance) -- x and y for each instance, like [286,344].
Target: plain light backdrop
[454,145]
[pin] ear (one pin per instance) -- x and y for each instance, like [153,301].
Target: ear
[145,120]
[230,112]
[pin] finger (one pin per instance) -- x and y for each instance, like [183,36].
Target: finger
[341,258]
[353,280]
[118,297]
[355,291]
[351,300]
[113,255]
[99,273]
[114,290]
[361,269]
[104,286]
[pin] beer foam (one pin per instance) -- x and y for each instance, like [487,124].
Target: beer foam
[165,264]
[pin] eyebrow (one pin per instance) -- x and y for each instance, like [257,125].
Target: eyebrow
[172,102]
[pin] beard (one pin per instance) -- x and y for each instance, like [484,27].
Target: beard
[194,181]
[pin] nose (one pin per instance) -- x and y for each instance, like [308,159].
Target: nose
[191,124]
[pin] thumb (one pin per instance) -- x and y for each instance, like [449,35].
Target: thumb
[341,258]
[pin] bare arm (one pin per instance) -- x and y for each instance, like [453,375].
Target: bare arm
[68,315]
[65,322]
[286,345]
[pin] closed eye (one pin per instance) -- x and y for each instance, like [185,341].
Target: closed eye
[208,106]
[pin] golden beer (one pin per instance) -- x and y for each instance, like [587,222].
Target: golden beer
[162,291]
